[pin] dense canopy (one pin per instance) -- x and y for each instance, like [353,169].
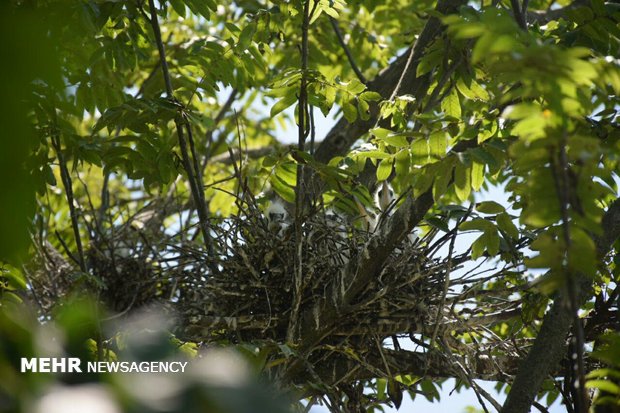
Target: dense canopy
[458,220]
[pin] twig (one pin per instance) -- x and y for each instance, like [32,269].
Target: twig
[193,172]
[448,70]
[344,46]
[66,248]
[540,407]
[312,130]
[299,192]
[218,118]
[68,185]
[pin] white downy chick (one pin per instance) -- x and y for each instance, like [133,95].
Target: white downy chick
[277,217]
[413,236]
[384,196]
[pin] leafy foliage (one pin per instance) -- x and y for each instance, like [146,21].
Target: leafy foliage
[148,146]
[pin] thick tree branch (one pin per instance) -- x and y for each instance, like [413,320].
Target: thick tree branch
[550,344]
[344,134]
[318,322]
[518,13]
[544,17]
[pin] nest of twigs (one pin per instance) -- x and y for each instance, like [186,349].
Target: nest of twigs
[125,269]
[242,290]
[246,291]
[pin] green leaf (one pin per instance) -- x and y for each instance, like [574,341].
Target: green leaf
[492,241]
[443,178]
[178,6]
[330,95]
[283,104]
[429,390]
[430,60]
[245,38]
[582,252]
[395,392]
[476,224]
[489,207]
[350,112]
[438,144]
[363,109]
[478,91]
[284,190]
[384,169]
[419,151]
[371,96]
[451,105]
[355,87]
[462,182]
[477,175]
[504,222]
[381,133]
[402,163]
[479,246]
[381,388]
[604,385]
[467,30]
[424,180]
[551,252]
[373,155]
[440,224]
[331,12]
[389,137]
[472,90]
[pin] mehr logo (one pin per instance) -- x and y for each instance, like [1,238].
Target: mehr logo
[51,365]
[72,365]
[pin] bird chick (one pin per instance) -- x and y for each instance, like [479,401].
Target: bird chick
[383,199]
[384,196]
[277,217]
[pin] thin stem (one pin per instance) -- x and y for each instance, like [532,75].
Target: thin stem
[68,185]
[344,46]
[218,118]
[299,193]
[193,171]
[160,47]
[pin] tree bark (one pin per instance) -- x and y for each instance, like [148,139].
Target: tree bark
[550,344]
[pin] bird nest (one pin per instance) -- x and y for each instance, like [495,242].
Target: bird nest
[244,288]
[247,291]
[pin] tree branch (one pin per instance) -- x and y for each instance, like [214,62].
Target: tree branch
[68,185]
[550,343]
[544,17]
[218,118]
[344,46]
[318,321]
[302,133]
[518,13]
[193,173]
[344,134]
